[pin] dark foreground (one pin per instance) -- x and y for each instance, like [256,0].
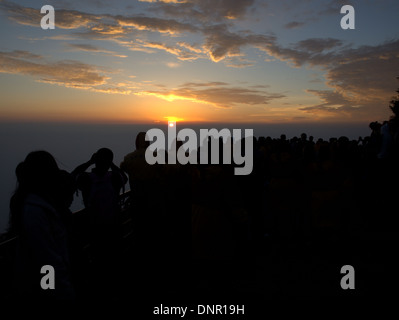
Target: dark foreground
[201,236]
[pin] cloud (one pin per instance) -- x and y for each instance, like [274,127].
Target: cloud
[221,43]
[204,84]
[155,24]
[239,65]
[335,103]
[85,47]
[173,64]
[298,56]
[238,62]
[205,10]
[334,6]
[217,94]
[364,76]
[133,45]
[67,73]
[109,29]
[180,53]
[165,1]
[111,90]
[362,81]
[223,8]
[22,54]
[66,19]
[72,72]
[367,72]
[294,25]
[193,48]
[94,49]
[101,24]
[318,44]
[330,97]
[62,37]
[218,42]
[22,15]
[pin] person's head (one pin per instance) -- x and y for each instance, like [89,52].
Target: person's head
[375,126]
[141,143]
[103,159]
[37,174]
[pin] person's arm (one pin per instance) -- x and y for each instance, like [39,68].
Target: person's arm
[83,167]
[122,166]
[120,171]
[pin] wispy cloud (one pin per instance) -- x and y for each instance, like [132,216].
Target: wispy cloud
[155,24]
[205,10]
[180,53]
[66,19]
[221,43]
[173,64]
[294,25]
[217,94]
[94,49]
[102,24]
[165,1]
[190,47]
[22,54]
[67,73]
[318,44]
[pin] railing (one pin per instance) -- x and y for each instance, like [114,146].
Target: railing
[124,203]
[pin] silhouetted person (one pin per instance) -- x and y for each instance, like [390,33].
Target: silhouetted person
[161,211]
[386,141]
[100,189]
[374,143]
[39,208]
[139,171]
[147,196]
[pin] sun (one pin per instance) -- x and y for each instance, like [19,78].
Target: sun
[173,119]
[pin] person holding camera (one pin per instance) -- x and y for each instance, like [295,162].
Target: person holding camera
[101,189]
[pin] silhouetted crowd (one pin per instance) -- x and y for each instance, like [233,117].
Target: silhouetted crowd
[200,226]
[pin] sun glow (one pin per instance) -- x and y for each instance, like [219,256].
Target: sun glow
[173,119]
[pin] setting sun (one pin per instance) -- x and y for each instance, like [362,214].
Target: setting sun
[173,119]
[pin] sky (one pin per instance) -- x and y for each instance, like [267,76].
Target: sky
[246,61]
